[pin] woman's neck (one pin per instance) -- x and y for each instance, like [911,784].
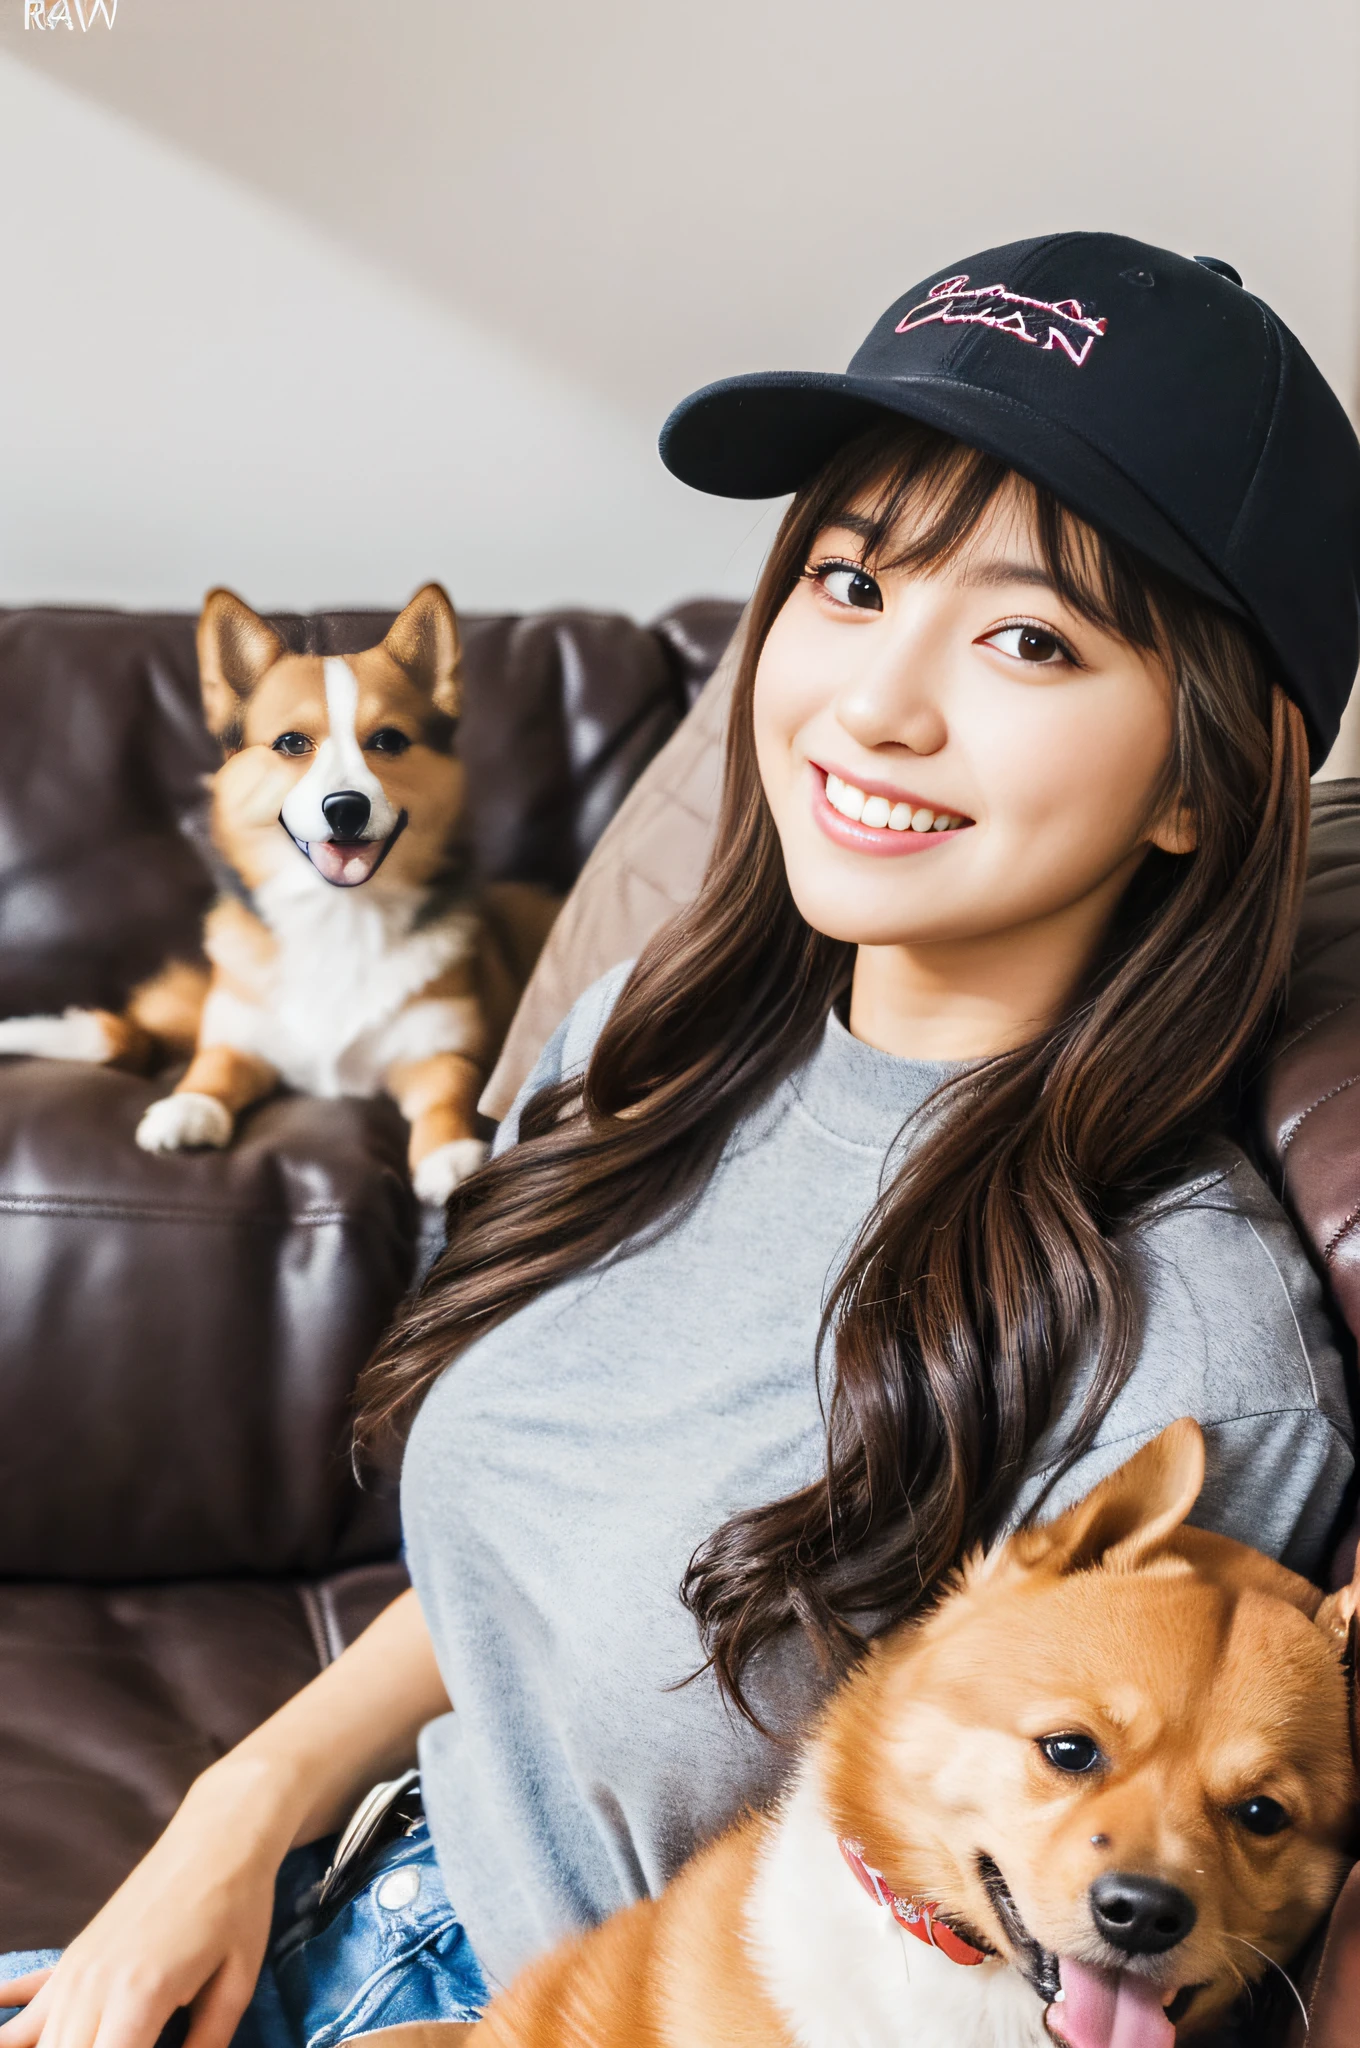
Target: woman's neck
[972,998]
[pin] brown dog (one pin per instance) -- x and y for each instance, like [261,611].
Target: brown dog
[347,955]
[1100,1789]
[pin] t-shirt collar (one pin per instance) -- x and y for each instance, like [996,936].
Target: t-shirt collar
[861,1093]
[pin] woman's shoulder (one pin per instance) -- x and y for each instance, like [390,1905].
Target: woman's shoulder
[1220,1240]
[1220,1269]
[568,1051]
[1232,1328]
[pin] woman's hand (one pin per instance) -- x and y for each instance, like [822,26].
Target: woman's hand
[187,1928]
[190,1925]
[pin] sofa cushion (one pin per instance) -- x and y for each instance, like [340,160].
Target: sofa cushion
[112,1701]
[182,1333]
[647,863]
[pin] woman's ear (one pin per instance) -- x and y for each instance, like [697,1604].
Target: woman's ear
[1176,830]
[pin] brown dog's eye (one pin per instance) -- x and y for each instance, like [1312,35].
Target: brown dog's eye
[292,743]
[387,740]
[1260,1816]
[1075,1753]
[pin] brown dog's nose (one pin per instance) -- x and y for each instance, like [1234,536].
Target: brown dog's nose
[1140,1915]
[346,812]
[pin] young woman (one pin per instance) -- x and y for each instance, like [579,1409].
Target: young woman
[886,1199]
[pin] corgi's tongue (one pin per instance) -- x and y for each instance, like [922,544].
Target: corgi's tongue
[345,862]
[1109,2009]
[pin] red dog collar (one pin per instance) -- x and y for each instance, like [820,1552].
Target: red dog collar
[918,1920]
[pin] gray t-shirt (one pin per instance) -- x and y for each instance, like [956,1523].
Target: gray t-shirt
[560,1475]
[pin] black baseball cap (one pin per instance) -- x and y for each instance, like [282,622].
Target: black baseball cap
[1150,392]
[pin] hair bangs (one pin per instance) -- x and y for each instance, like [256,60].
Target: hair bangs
[917,498]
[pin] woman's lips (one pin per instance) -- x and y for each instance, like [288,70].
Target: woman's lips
[877,838]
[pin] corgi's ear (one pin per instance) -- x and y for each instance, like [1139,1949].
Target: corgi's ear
[236,650]
[423,640]
[1129,1515]
[1336,1616]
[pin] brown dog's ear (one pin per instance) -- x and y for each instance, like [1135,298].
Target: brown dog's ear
[1128,1516]
[236,650]
[423,640]
[1338,1611]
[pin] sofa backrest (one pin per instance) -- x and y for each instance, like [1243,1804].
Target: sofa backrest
[1309,1102]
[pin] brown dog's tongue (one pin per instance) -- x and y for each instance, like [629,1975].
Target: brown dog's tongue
[1109,2009]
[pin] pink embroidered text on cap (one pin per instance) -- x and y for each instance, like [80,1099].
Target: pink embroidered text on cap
[991,305]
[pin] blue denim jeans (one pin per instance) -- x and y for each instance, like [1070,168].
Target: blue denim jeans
[395,1952]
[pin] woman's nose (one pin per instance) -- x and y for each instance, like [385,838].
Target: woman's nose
[892,701]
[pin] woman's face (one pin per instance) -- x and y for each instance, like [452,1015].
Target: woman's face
[956,758]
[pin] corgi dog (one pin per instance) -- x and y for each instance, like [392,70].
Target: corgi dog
[345,953]
[1102,1787]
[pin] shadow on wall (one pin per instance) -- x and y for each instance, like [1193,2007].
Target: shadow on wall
[643,200]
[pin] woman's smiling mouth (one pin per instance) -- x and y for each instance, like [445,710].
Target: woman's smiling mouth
[875,818]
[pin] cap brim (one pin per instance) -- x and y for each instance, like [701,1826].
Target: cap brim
[763,435]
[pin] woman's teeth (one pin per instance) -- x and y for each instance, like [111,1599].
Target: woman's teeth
[877,811]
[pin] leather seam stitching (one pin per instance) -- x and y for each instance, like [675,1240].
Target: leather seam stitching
[1301,1031]
[1339,1236]
[1292,1129]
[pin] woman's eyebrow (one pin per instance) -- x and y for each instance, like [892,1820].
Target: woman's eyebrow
[851,522]
[984,574]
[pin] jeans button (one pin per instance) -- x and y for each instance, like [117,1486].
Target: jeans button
[399,1888]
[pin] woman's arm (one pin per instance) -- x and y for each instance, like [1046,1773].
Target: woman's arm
[189,1926]
[355,1724]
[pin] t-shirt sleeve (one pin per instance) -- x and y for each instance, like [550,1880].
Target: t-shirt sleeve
[1274,1481]
[1232,1330]
[568,1051]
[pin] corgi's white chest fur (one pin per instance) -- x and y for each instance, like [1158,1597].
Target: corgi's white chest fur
[335,1007]
[842,1971]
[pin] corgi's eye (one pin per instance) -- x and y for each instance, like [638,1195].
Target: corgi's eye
[846,583]
[387,740]
[1075,1753]
[1260,1816]
[1032,644]
[293,743]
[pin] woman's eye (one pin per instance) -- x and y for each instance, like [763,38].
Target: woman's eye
[292,743]
[387,740]
[1029,643]
[850,586]
[1260,1816]
[1074,1753]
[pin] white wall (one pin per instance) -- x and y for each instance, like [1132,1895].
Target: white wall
[322,297]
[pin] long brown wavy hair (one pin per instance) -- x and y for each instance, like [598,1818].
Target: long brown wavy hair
[990,1269]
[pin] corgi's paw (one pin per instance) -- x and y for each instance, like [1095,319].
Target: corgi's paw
[75,1035]
[177,1122]
[440,1171]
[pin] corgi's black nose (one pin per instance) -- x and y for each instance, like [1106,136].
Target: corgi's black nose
[346,813]
[1140,1915]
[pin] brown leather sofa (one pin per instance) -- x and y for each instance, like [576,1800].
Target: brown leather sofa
[182,1542]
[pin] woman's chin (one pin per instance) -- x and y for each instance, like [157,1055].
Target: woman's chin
[852,922]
